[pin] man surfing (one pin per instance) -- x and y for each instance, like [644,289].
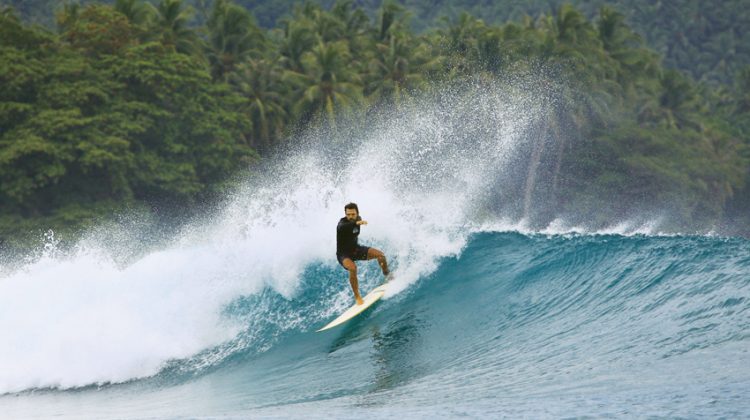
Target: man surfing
[348,249]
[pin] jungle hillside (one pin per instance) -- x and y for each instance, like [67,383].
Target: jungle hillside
[157,106]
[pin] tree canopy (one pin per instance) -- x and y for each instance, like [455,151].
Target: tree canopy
[134,103]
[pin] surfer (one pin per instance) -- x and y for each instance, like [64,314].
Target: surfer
[348,249]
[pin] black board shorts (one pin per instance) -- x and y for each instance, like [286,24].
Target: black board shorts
[359,254]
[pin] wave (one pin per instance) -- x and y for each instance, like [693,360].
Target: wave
[513,318]
[89,317]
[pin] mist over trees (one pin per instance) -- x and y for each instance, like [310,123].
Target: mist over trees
[137,104]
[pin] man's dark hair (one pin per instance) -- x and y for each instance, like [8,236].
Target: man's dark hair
[351,206]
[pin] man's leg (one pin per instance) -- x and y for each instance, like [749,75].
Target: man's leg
[352,269]
[373,253]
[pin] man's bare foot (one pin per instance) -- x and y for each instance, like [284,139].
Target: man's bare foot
[389,277]
[359,300]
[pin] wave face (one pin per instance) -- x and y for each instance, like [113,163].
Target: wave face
[487,317]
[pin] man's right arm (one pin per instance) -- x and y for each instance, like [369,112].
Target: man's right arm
[345,224]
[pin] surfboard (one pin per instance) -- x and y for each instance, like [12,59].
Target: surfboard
[372,297]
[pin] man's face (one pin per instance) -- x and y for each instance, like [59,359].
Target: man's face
[351,214]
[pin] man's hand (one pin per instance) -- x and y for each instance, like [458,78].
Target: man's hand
[361,222]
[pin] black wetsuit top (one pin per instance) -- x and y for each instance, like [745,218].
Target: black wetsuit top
[346,236]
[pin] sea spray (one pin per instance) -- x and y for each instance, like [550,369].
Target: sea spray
[423,175]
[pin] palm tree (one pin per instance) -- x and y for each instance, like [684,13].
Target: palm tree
[520,41]
[625,47]
[327,27]
[67,17]
[329,83]
[461,40]
[135,10]
[573,27]
[260,81]
[392,18]
[398,65]
[233,37]
[355,22]
[675,104]
[171,25]
[298,38]
[570,40]
[389,69]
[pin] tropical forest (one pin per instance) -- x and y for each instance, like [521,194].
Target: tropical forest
[119,107]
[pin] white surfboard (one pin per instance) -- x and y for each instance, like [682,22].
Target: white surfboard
[372,297]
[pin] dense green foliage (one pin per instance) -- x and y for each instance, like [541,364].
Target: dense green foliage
[130,104]
[708,40]
[102,115]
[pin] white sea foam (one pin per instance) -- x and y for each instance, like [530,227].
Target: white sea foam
[421,177]
[562,227]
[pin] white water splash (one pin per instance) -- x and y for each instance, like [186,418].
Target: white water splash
[421,177]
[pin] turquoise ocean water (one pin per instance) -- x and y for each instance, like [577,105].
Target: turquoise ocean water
[517,325]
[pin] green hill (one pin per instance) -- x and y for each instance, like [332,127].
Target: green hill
[708,40]
[139,105]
